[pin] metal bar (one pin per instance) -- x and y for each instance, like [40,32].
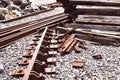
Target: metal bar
[105,38]
[17,28]
[24,16]
[9,39]
[29,69]
[96,2]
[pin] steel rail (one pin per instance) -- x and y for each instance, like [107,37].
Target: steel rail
[4,30]
[30,67]
[25,16]
[15,29]
[30,30]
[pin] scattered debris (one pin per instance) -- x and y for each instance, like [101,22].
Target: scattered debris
[79,64]
[103,37]
[77,48]
[97,56]
[66,44]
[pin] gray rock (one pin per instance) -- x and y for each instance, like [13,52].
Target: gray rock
[1,68]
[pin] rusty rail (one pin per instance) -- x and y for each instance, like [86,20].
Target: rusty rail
[30,67]
[17,28]
[25,16]
[43,54]
[7,38]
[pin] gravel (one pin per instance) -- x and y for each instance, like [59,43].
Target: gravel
[10,55]
[107,68]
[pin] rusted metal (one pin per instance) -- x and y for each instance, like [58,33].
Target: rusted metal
[54,5]
[36,76]
[29,54]
[79,64]
[36,64]
[64,46]
[24,62]
[20,72]
[80,41]
[27,30]
[97,56]
[96,37]
[70,48]
[69,32]
[40,58]
[25,16]
[77,49]
[20,27]
[82,46]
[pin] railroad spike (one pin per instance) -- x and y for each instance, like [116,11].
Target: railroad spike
[78,64]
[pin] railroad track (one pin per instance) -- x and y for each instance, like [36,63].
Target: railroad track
[43,51]
[37,66]
[37,63]
[14,33]
[47,43]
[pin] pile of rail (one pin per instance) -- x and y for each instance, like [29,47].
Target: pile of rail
[10,34]
[96,19]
